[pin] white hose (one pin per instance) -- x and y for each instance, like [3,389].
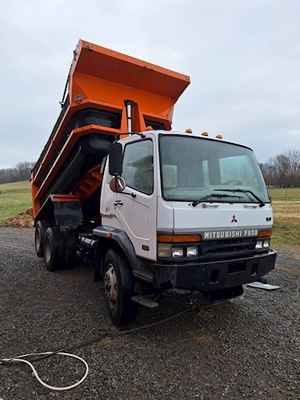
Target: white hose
[21,359]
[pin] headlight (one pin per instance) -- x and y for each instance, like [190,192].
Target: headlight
[263,244]
[169,250]
[177,252]
[192,251]
[178,246]
[259,244]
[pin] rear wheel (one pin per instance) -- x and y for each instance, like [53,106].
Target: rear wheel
[118,289]
[39,238]
[53,249]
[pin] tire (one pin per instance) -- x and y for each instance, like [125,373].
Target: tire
[53,249]
[39,238]
[118,289]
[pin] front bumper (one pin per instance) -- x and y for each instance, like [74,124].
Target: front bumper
[216,275]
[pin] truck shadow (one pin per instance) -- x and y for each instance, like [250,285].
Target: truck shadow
[174,319]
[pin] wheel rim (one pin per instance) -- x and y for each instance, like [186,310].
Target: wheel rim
[110,286]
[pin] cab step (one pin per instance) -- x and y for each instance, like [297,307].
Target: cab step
[145,301]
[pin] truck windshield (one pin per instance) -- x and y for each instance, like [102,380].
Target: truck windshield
[198,169]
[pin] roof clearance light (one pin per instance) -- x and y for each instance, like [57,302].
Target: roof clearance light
[204,133]
[188,130]
[220,135]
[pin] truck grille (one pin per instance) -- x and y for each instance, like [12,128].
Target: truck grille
[228,248]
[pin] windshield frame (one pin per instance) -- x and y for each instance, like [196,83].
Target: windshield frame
[268,201]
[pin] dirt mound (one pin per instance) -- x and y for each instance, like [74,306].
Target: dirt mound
[23,220]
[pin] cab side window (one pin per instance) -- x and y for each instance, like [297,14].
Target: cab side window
[138,166]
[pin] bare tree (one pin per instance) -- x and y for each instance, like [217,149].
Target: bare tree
[283,170]
[20,173]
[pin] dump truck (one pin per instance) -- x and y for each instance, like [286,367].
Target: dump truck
[153,210]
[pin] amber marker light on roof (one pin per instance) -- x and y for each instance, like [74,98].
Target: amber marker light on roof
[220,135]
[204,133]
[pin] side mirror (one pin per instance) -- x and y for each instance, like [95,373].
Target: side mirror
[115,159]
[117,184]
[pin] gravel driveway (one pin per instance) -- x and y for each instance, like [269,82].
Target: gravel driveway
[247,348]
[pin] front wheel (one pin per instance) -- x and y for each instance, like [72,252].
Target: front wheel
[118,289]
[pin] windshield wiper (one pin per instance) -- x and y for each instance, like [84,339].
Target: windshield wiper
[204,198]
[261,202]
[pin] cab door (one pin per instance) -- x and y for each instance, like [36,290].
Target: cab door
[135,208]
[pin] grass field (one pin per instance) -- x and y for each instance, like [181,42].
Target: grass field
[286,206]
[16,197]
[285,194]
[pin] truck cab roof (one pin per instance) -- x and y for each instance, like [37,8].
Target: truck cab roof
[156,133]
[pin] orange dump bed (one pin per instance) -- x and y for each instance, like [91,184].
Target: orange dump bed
[101,82]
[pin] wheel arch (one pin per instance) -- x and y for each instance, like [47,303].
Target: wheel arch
[117,241]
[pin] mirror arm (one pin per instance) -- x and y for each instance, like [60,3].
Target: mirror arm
[133,195]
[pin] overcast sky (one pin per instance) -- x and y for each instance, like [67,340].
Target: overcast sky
[243,58]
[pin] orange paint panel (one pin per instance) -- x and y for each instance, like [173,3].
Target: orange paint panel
[63,198]
[96,89]
[117,67]
[89,183]
[73,138]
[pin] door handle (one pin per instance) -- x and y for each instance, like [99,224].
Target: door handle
[118,203]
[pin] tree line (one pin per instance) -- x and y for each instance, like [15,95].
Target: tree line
[283,170]
[21,172]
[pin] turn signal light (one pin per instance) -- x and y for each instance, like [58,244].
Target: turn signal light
[179,238]
[265,233]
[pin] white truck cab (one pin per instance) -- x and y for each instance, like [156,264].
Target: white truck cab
[182,184]
[195,209]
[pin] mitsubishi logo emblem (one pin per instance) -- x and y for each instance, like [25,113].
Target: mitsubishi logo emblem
[234,220]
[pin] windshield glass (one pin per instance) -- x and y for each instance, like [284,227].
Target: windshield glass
[201,169]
